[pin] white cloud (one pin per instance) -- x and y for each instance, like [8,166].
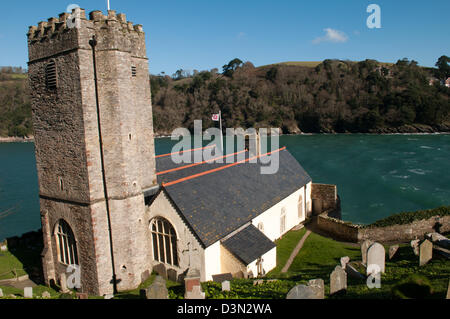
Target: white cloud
[241,35]
[333,36]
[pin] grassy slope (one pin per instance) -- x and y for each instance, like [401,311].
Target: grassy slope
[320,255]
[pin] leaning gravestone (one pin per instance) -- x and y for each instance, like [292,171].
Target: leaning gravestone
[338,280]
[415,246]
[172,275]
[364,247]
[439,240]
[344,261]
[28,292]
[222,277]
[393,251]
[376,255]
[425,252]
[304,292]
[160,269]
[226,285]
[157,290]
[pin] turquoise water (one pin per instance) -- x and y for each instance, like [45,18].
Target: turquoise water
[376,175]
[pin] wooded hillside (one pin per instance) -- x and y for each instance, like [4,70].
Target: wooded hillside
[332,96]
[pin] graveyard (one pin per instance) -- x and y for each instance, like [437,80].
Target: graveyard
[319,258]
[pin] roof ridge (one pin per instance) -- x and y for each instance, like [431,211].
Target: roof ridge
[197,164]
[181,152]
[220,168]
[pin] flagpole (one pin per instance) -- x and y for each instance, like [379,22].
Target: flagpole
[221,132]
[109,8]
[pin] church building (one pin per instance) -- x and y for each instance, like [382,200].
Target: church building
[113,207]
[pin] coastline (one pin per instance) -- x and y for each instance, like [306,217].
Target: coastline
[16,139]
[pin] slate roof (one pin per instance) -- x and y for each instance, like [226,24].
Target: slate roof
[216,204]
[249,244]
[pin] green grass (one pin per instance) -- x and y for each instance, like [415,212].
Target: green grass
[284,249]
[10,264]
[319,256]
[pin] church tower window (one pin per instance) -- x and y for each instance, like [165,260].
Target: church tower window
[164,242]
[67,246]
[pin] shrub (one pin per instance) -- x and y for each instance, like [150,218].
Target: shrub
[409,217]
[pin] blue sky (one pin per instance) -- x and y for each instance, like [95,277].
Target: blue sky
[201,34]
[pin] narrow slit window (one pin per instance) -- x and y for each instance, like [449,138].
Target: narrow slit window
[51,80]
[133,71]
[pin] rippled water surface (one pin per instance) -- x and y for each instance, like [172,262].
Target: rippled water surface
[376,175]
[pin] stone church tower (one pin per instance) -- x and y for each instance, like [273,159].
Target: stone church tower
[92,119]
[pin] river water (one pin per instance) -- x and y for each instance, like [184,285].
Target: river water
[376,175]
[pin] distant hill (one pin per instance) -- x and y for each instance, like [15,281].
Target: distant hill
[310,97]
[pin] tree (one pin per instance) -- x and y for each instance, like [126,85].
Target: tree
[443,72]
[228,69]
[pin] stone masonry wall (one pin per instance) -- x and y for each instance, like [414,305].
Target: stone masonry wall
[324,197]
[68,143]
[355,233]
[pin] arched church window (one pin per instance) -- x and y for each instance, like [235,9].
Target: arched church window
[164,242]
[66,244]
[300,207]
[283,220]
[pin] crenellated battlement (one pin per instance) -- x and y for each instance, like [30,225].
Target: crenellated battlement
[54,26]
[74,31]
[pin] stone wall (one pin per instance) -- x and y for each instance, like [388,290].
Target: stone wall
[396,233]
[324,197]
[415,230]
[337,228]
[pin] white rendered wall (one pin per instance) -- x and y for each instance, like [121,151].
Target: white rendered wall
[271,218]
[212,261]
[269,262]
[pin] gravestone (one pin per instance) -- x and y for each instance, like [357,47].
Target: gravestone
[196,293]
[28,292]
[108,296]
[448,290]
[172,275]
[303,292]
[364,247]
[157,290]
[439,240]
[338,280]
[145,275]
[239,275]
[191,280]
[1,292]
[46,295]
[226,285]
[82,295]
[318,286]
[160,269]
[63,283]
[415,246]
[258,282]
[222,277]
[344,261]
[392,251]
[376,255]
[425,252]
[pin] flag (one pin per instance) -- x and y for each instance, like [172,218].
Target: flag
[216,117]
